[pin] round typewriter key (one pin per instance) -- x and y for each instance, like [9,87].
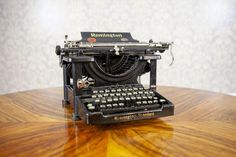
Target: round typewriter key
[124,89]
[94,96]
[104,101]
[155,101]
[155,98]
[129,93]
[133,98]
[102,106]
[150,102]
[115,99]
[97,100]
[150,92]
[107,91]
[140,88]
[109,100]
[135,93]
[135,88]
[139,98]
[149,97]
[138,102]
[101,91]
[144,97]
[162,100]
[112,94]
[121,104]
[115,105]
[100,95]
[144,102]
[89,104]
[130,89]
[121,98]
[95,92]
[91,107]
[140,92]
[118,94]
[118,90]
[109,105]
[127,98]
[105,95]
[146,92]
[123,94]
[113,90]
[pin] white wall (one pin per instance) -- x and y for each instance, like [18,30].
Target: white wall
[204,32]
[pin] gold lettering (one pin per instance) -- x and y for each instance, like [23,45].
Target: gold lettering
[106,35]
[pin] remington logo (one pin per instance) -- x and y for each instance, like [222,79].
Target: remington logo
[134,116]
[106,35]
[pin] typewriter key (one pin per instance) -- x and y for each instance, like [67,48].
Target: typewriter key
[149,97]
[129,93]
[121,104]
[121,98]
[109,105]
[105,95]
[91,107]
[139,98]
[123,94]
[138,102]
[102,106]
[133,98]
[127,98]
[115,105]
[89,104]
[112,94]
[162,100]
[155,101]
[144,97]
[115,99]
[150,102]
[97,100]
[104,101]
[117,94]
[101,91]
[109,100]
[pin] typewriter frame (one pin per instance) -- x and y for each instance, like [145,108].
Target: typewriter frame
[72,93]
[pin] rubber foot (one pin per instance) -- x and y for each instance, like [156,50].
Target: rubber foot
[65,103]
[75,118]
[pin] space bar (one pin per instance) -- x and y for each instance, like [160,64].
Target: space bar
[130,109]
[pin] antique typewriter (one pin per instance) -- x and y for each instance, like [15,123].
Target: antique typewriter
[101,74]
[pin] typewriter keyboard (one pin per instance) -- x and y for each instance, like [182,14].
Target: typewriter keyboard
[120,99]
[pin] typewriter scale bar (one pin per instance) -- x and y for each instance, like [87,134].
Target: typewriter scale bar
[120,103]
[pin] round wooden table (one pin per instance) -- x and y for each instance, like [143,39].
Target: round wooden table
[34,123]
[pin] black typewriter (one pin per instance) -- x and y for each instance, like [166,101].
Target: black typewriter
[101,75]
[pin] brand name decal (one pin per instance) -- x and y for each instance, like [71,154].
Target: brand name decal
[106,35]
[134,116]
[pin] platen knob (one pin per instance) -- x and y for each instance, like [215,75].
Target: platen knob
[58,50]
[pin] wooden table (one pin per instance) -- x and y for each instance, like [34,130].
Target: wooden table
[34,123]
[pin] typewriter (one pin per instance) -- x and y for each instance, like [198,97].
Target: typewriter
[101,77]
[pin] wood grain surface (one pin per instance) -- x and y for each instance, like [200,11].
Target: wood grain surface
[34,123]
